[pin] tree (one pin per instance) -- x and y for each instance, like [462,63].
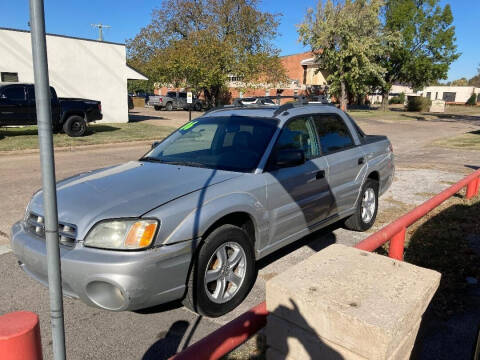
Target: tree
[426,47]
[475,81]
[459,82]
[345,39]
[199,43]
[472,100]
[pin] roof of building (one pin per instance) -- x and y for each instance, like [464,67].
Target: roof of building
[65,36]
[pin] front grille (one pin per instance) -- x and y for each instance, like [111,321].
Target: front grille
[67,233]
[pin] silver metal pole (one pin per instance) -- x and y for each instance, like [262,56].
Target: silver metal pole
[44,119]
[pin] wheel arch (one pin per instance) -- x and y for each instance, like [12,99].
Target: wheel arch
[374,175]
[68,114]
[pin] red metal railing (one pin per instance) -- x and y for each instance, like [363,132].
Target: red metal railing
[228,337]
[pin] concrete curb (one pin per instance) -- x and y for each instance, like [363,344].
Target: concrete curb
[78,147]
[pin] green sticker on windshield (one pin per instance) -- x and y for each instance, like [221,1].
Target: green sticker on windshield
[188,125]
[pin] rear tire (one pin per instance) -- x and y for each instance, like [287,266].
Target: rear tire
[157,108]
[169,106]
[367,207]
[218,283]
[75,126]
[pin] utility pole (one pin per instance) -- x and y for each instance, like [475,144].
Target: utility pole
[100,28]
[47,162]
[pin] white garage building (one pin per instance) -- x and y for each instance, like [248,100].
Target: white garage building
[81,68]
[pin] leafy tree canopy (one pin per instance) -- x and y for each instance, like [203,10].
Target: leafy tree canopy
[199,43]
[427,46]
[345,36]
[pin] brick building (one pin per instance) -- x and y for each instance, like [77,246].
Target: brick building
[302,79]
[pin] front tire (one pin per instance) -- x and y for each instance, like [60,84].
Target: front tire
[75,126]
[169,106]
[223,272]
[367,207]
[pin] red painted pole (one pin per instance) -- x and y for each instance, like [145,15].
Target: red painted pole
[379,238]
[472,188]
[228,337]
[397,244]
[20,336]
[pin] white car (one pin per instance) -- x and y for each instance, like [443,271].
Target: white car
[257,101]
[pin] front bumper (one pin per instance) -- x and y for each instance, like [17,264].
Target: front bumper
[112,280]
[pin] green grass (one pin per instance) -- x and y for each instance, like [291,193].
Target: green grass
[468,141]
[397,113]
[440,241]
[26,137]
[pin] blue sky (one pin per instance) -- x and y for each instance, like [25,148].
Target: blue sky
[127,17]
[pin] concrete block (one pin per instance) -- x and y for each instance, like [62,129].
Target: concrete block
[301,344]
[292,341]
[363,301]
[438,106]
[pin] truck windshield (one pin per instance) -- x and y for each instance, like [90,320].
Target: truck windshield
[234,143]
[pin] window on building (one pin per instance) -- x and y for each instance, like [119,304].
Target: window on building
[9,77]
[436,95]
[449,96]
[233,78]
[333,133]
[429,95]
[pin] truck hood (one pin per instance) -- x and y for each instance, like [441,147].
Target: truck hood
[128,190]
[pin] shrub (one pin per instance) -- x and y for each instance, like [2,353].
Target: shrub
[398,99]
[418,103]
[472,100]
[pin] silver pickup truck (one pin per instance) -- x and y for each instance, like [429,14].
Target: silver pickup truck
[190,218]
[174,100]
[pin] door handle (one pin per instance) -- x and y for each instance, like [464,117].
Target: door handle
[320,174]
[361,161]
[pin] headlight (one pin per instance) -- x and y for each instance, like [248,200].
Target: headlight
[122,234]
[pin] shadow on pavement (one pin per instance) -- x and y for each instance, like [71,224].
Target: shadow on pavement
[449,243]
[168,342]
[134,117]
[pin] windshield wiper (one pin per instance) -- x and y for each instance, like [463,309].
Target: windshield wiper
[151,159]
[186,163]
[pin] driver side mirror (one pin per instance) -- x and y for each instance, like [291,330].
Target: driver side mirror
[155,144]
[289,158]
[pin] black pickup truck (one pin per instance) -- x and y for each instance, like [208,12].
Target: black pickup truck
[17,107]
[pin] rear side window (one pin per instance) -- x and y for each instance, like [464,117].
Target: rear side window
[333,133]
[14,93]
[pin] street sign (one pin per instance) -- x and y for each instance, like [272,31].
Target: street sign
[189,97]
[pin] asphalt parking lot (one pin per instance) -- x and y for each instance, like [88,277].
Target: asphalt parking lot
[160,332]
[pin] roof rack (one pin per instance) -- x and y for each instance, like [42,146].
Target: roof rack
[300,100]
